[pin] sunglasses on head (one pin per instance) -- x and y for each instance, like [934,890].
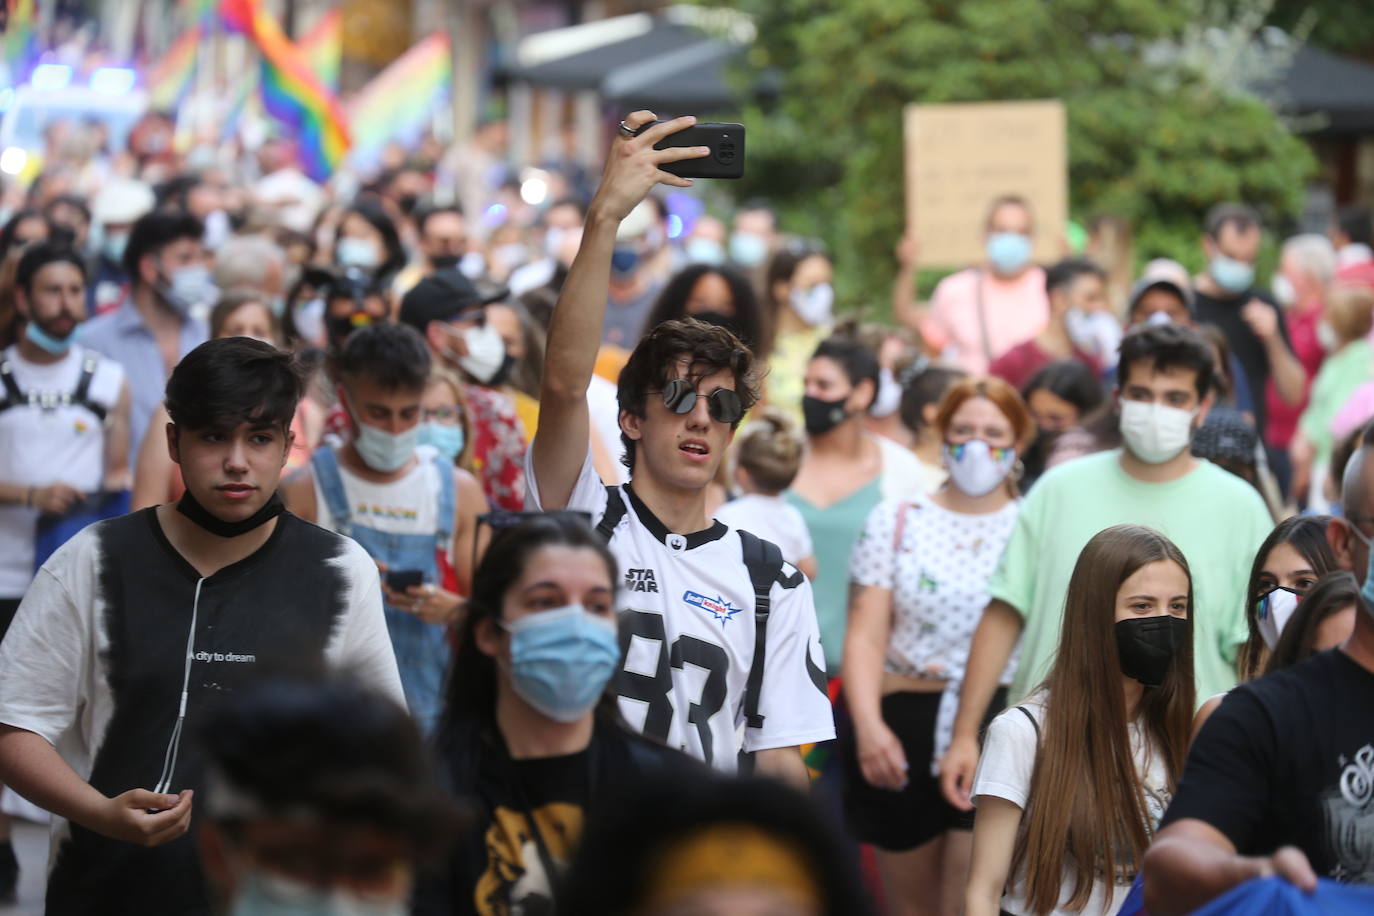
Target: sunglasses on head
[499,520]
[680,396]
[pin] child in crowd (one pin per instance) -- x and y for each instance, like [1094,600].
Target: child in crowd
[766,461]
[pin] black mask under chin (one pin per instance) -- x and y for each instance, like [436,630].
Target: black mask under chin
[189,507]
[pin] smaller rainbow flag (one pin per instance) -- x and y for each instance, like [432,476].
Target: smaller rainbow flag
[323,48]
[399,101]
[171,78]
[291,92]
[20,42]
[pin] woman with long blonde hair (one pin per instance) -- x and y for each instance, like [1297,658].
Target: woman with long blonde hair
[1073,781]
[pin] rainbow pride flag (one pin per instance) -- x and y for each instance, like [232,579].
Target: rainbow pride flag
[20,42]
[323,48]
[399,101]
[172,77]
[291,92]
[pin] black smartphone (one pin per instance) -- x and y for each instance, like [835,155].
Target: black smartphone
[727,150]
[398,580]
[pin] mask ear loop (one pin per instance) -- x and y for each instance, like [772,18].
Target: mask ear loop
[169,761]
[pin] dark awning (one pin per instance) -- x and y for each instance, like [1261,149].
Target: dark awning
[671,68]
[1339,90]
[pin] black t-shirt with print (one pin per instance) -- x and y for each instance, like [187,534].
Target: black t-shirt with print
[103,633]
[1289,760]
[1226,314]
[529,815]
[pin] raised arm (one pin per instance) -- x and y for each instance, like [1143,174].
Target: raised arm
[117,471]
[632,169]
[1191,862]
[993,641]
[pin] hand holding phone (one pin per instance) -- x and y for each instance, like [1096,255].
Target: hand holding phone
[398,580]
[725,141]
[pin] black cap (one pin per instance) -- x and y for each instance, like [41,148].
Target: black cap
[1226,434]
[442,296]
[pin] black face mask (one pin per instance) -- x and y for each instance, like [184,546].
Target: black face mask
[444,261]
[823,416]
[197,513]
[1146,646]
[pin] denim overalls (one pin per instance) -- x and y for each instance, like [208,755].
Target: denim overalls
[422,649]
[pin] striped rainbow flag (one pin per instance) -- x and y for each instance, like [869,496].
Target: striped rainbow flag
[399,102]
[172,77]
[20,39]
[323,48]
[291,92]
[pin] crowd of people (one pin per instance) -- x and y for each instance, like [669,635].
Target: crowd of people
[426,550]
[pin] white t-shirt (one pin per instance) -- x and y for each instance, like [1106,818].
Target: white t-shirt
[687,625]
[1005,770]
[771,518]
[94,661]
[938,576]
[406,506]
[604,413]
[65,444]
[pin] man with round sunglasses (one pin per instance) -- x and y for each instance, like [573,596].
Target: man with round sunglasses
[721,649]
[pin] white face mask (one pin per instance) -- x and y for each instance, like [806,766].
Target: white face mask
[1273,613]
[1155,433]
[814,305]
[889,395]
[486,353]
[309,318]
[1284,291]
[381,450]
[976,468]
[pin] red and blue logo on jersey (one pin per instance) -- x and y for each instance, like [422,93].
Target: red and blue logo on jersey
[717,607]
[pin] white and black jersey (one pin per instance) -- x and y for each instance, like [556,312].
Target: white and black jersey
[96,659]
[688,631]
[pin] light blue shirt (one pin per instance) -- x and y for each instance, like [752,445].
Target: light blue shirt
[123,337]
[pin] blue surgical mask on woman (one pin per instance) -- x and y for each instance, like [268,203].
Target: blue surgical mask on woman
[1008,252]
[445,438]
[354,252]
[561,660]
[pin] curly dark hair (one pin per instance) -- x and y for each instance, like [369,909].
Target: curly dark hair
[749,321]
[711,349]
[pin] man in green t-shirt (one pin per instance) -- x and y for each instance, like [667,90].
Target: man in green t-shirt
[1215,518]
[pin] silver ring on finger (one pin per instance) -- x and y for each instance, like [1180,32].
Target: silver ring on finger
[626,131]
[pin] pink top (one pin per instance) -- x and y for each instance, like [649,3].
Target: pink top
[1015,311]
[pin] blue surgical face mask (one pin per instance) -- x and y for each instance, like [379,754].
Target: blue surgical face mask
[1231,275]
[46,342]
[353,252]
[705,251]
[624,261]
[384,451]
[747,249]
[189,287]
[561,660]
[445,438]
[113,246]
[263,893]
[1008,252]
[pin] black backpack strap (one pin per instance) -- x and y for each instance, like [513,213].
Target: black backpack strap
[82,395]
[13,395]
[764,561]
[615,511]
[1034,724]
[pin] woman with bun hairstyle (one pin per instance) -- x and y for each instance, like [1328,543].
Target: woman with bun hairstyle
[918,585]
[1072,782]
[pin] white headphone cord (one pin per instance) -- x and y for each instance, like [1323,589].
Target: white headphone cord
[169,761]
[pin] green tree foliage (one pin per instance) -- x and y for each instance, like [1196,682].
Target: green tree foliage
[1154,144]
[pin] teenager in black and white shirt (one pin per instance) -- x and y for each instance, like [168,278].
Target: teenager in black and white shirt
[139,623]
[688,622]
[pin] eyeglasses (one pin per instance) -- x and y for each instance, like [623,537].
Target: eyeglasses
[680,396]
[451,415]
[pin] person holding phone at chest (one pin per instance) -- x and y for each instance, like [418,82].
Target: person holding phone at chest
[699,597]
[414,515]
